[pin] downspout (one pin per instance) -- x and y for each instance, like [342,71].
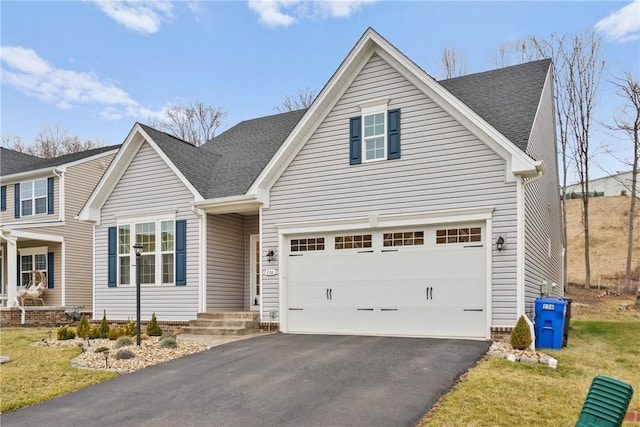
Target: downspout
[520,266]
[60,174]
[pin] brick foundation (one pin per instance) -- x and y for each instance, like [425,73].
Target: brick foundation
[34,316]
[499,333]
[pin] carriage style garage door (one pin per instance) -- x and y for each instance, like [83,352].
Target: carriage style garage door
[422,281]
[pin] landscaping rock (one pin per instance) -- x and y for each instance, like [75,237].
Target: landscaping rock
[4,359]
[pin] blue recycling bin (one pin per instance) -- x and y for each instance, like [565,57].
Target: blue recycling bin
[549,322]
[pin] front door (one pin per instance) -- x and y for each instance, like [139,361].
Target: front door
[254,272]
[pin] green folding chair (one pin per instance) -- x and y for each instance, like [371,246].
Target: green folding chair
[606,403]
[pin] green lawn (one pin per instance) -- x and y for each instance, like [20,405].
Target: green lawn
[502,393]
[36,374]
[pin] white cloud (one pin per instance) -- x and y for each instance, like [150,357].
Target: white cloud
[623,24]
[26,71]
[144,16]
[275,13]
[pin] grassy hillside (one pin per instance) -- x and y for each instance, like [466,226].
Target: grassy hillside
[608,220]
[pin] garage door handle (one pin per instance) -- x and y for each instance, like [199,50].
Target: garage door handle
[429,292]
[329,294]
[472,309]
[295,309]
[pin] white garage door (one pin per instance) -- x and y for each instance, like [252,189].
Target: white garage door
[417,281]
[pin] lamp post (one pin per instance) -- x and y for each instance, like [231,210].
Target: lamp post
[138,248]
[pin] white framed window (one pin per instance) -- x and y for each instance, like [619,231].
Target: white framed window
[33,197]
[374,130]
[459,235]
[358,241]
[308,244]
[157,259]
[403,238]
[32,260]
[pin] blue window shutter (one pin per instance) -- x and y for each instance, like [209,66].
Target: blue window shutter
[3,198]
[393,134]
[181,253]
[50,195]
[113,257]
[355,140]
[16,198]
[50,270]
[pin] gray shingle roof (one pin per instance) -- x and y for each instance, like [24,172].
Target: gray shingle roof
[245,150]
[194,163]
[506,98]
[227,165]
[12,162]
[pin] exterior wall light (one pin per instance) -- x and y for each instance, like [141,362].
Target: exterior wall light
[500,243]
[271,256]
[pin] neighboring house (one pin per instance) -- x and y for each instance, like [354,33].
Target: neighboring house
[618,184]
[39,231]
[378,210]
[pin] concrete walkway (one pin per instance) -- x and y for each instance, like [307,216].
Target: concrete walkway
[273,380]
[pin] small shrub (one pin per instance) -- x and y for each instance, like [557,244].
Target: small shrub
[66,333]
[130,329]
[101,349]
[153,329]
[83,327]
[94,332]
[521,335]
[115,333]
[168,342]
[125,354]
[123,341]
[103,332]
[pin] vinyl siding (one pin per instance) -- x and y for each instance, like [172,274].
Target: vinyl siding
[77,252]
[543,220]
[443,166]
[225,263]
[147,185]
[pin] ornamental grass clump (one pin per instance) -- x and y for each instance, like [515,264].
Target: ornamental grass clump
[123,341]
[521,335]
[125,354]
[153,329]
[168,342]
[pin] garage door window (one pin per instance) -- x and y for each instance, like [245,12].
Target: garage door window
[406,238]
[459,235]
[305,245]
[353,242]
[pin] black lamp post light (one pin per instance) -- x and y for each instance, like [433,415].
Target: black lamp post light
[138,248]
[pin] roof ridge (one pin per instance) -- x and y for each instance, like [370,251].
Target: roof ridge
[507,68]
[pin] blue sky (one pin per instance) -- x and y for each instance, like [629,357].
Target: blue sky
[95,68]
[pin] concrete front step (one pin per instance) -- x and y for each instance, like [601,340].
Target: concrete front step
[248,315]
[224,323]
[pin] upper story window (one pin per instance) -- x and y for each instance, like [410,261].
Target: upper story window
[33,197]
[374,134]
[374,137]
[30,197]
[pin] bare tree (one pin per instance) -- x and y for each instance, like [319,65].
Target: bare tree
[584,70]
[52,140]
[629,123]
[302,99]
[453,64]
[577,70]
[13,142]
[196,123]
[517,52]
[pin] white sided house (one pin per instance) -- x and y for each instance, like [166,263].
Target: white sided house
[394,205]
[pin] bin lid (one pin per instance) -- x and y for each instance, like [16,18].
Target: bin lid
[549,300]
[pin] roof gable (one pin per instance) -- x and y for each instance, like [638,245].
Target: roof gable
[518,162]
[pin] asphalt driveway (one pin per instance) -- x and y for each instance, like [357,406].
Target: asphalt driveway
[273,380]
